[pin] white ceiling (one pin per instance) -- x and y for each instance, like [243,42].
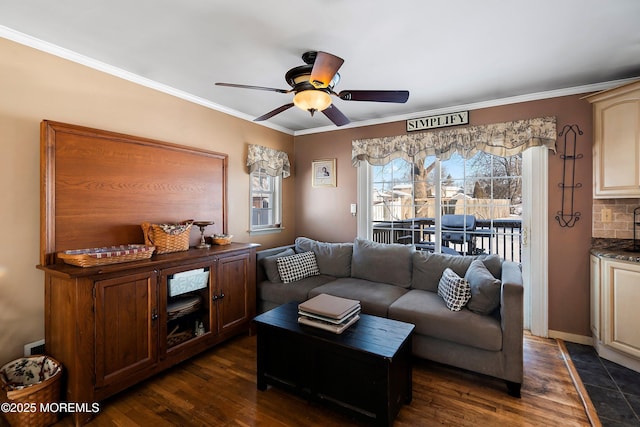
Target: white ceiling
[447,53]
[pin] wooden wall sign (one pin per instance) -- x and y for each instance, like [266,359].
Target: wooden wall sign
[442,120]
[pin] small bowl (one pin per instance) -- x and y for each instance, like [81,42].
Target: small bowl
[221,239]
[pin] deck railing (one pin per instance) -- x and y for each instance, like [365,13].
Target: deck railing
[498,236]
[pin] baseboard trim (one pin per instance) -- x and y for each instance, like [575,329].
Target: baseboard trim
[565,336]
[621,359]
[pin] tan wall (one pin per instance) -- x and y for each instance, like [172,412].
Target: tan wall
[36,86]
[323,213]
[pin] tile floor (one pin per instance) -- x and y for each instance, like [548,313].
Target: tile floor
[614,390]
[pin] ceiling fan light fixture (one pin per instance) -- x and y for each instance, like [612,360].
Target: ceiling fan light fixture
[312,85]
[312,100]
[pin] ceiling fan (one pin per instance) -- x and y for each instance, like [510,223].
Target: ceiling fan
[313,85]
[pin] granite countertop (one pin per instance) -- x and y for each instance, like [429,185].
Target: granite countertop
[621,249]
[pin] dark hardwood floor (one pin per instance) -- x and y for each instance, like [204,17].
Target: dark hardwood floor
[218,388]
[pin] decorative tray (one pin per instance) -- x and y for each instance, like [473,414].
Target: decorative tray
[180,306]
[106,255]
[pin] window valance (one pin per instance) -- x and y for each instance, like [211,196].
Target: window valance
[500,139]
[274,162]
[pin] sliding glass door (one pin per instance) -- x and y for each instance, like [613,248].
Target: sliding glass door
[469,206]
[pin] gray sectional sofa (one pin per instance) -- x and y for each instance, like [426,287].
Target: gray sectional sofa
[399,282]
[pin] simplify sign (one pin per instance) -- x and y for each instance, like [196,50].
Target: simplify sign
[443,120]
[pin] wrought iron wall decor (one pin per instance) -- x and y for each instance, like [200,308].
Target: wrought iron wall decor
[567,216]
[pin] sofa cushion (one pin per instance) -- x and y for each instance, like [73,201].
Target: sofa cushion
[428,267]
[380,262]
[333,259]
[270,265]
[485,289]
[432,318]
[374,297]
[282,293]
[454,290]
[298,266]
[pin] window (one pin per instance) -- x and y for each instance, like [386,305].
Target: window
[484,193]
[487,188]
[267,168]
[266,201]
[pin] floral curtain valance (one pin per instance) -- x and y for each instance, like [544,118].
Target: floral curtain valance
[274,162]
[500,139]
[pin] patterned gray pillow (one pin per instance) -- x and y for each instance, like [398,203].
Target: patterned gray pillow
[270,265]
[298,266]
[455,290]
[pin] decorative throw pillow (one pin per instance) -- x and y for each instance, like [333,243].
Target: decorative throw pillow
[454,290]
[298,266]
[493,262]
[428,268]
[270,265]
[485,289]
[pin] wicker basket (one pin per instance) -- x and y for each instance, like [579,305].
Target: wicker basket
[167,238]
[175,337]
[106,255]
[29,382]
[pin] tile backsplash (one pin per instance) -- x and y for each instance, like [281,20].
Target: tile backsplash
[621,224]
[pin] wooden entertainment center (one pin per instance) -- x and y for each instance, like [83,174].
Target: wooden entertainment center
[114,325]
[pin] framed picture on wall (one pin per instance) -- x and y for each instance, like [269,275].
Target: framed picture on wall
[324,173]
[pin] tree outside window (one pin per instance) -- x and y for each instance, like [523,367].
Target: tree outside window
[489,187]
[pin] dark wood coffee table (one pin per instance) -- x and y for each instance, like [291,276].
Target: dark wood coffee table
[365,370]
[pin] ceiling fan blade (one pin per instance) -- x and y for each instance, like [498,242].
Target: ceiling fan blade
[399,96]
[324,69]
[335,115]
[270,89]
[273,112]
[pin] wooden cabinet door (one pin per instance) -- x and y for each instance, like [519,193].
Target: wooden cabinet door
[232,287]
[595,297]
[621,292]
[616,153]
[126,311]
[177,331]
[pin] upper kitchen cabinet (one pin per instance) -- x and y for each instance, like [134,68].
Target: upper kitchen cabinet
[616,150]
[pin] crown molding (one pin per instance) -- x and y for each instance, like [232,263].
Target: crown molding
[596,87]
[67,54]
[70,55]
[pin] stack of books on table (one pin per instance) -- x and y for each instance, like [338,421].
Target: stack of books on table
[328,312]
